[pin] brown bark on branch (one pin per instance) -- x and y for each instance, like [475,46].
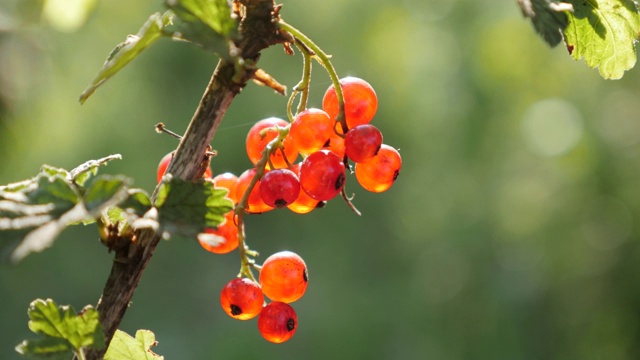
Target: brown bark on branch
[257,31]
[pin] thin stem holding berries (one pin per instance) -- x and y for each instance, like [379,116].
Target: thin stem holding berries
[323,59]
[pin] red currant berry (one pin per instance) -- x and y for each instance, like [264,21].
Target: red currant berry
[256,142]
[304,203]
[322,175]
[310,130]
[279,187]
[378,173]
[284,277]
[164,164]
[255,203]
[362,142]
[360,101]
[221,239]
[277,322]
[242,299]
[335,144]
[227,181]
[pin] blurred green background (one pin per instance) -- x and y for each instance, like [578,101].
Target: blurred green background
[511,232]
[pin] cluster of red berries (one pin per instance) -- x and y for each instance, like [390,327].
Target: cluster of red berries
[326,146]
[283,279]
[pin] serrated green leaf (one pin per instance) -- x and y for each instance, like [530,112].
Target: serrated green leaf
[187,208]
[604,32]
[106,191]
[53,171]
[208,23]
[47,348]
[85,171]
[35,211]
[54,190]
[61,324]
[128,50]
[125,347]
[216,14]
[138,202]
[547,18]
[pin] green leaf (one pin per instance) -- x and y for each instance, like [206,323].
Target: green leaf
[216,14]
[47,348]
[208,23]
[547,17]
[85,171]
[35,211]
[137,203]
[128,50]
[106,191]
[125,347]
[604,32]
[61,326]
[187,208]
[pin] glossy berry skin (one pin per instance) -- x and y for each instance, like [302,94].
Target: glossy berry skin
[222,239]
[360,101]
[255,203]
[310,130]
[322,175]
[241,299]
[362,142]
[277,322]
[164,164]
[256,143]
[279,187]
[284,277]
[227,181]
[304,203]
[378,173]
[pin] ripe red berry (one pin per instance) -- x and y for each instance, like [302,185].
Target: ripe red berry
[277,322]
[256,142]
[221,239]
[322,175]
[284,277]
[164,164]
[255,203]
[242,299]
[310,130]
[360,101]
[227,181]
[279,187]
[362,142]
[378,173]
[303,203]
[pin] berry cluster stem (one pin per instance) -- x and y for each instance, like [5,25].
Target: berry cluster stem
[324,60]
[246,255]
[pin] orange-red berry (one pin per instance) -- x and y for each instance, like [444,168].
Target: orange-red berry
[284,277]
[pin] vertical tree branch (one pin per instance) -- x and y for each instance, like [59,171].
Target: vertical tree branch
[257,31]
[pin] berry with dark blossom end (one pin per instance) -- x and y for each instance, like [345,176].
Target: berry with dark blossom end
[279,187]
[322,175]
[284,277]
[362,142]
[378,173]
[242,299]
[277,322]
